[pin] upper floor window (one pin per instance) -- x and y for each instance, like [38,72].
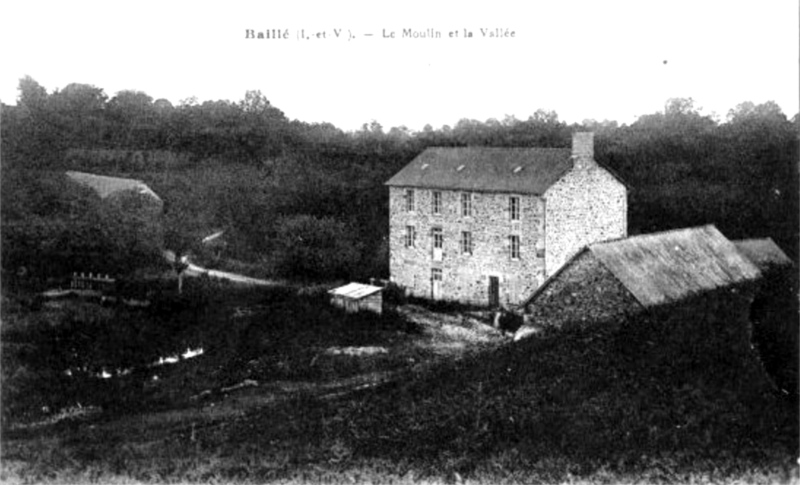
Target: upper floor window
[438,238]
[466,204]
[410,205]
[411,236]
[514,208]
[466,242]
[436,203]
[513,243]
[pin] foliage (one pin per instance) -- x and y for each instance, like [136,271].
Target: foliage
[241,166]
[53,226]
[312,248]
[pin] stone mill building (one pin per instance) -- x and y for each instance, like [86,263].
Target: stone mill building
[488,225]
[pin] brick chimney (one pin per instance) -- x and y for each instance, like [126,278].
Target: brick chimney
[583,150]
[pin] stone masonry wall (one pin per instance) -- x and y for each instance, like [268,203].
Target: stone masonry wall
[585,291]
[465,277]
[586,205]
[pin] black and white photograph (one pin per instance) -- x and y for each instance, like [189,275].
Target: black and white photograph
[256,242]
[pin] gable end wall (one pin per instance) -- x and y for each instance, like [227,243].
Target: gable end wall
[585,206]
[584,291]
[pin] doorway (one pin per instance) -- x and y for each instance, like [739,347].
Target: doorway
[494,291]
[436,283]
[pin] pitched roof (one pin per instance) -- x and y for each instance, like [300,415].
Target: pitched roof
[108,186]
[355,290]
[515,170]
[764,253]
[669,266]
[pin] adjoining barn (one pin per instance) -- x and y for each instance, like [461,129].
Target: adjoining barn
[765,254]
[774,310]
[690,288]
[776,268]
[356,297]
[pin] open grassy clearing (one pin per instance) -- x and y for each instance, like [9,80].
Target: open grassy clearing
[290,389]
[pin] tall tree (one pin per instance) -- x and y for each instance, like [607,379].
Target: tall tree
[134,119]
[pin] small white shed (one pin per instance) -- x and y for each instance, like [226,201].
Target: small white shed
[355,297]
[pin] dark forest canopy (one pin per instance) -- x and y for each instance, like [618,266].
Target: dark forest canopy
[246,168]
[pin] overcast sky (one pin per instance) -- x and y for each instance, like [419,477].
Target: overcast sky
[607,59]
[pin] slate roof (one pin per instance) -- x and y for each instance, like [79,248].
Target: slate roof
[107,186]
[670,266]
[764,253]
[355,291]
[513,170]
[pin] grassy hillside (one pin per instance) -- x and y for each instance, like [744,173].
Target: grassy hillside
[564,406]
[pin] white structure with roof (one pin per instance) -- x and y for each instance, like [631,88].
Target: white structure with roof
[355,297]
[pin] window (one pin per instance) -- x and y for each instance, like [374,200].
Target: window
[466,242]
[410,207]
[514,208]
[466,204]
[411,236]
[513,243]
[436,274]
[438,237]
[436,204]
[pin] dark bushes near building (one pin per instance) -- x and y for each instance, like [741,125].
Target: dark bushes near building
[309,247]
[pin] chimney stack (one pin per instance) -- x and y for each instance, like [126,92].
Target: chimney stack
[583,149]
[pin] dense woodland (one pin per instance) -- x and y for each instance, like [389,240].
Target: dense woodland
[307,200]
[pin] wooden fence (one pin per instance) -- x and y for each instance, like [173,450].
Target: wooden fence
[90,281]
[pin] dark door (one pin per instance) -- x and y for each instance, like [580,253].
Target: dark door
[494,291]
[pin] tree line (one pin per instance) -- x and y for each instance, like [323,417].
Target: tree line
[307,199]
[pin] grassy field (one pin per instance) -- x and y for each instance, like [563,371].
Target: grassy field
[289,389]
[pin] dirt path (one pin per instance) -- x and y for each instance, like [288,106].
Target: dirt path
[196,271]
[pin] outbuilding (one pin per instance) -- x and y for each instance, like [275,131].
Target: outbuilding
[765,254]
[776,333]
[130,194]
[689,286]
[356,297]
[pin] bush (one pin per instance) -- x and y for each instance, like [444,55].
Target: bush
[309,247]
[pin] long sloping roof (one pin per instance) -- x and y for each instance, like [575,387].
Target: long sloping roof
[107,186]
[515,170]
[669,266]
[355,291]
[764,253]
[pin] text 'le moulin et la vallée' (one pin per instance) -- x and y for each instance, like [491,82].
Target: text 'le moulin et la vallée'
[348,34]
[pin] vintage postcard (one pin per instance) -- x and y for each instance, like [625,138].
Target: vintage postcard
[399,242]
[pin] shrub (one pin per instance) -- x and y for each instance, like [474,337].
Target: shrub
[309,247]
